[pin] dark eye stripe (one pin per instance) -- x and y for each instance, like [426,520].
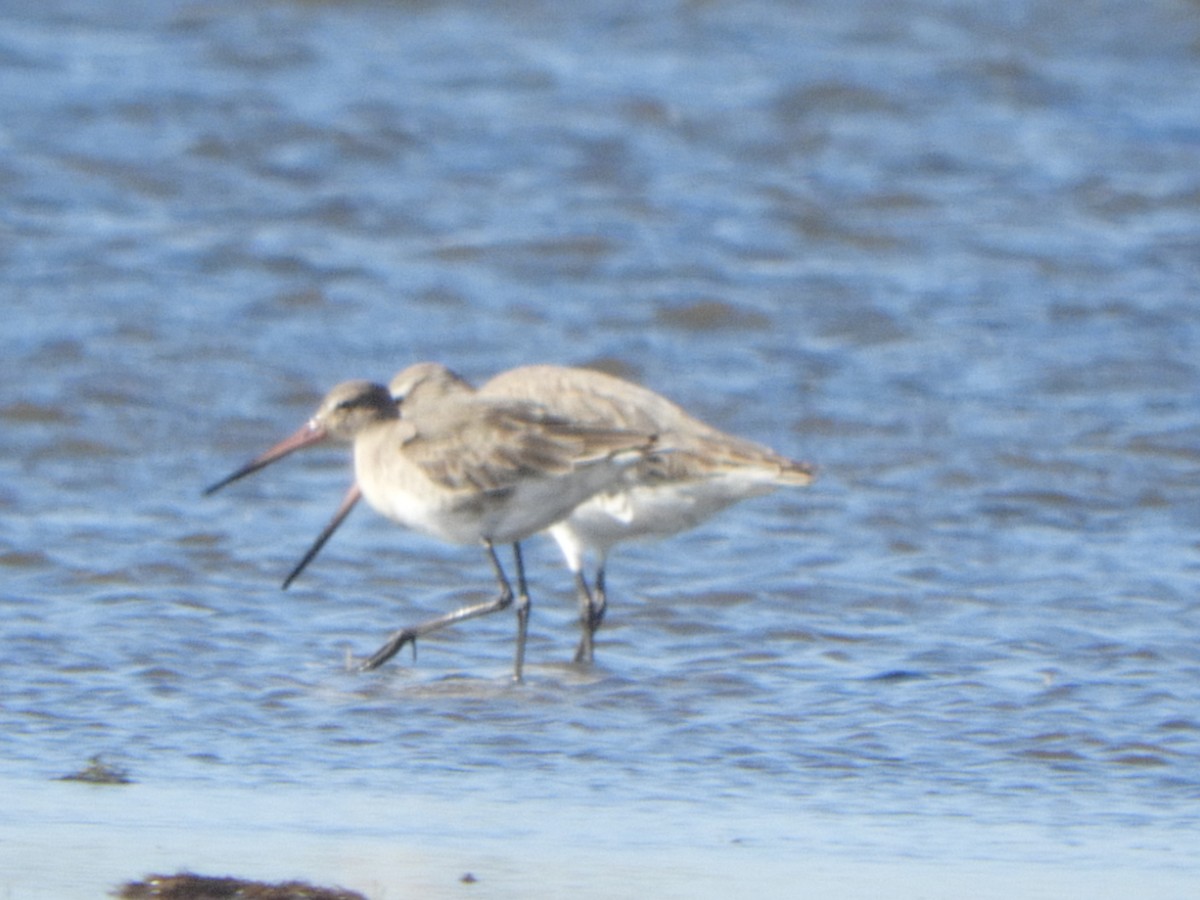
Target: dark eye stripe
[367,400]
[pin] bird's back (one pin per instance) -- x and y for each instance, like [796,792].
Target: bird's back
[692,448]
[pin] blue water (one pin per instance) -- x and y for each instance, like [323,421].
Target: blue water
[946,251]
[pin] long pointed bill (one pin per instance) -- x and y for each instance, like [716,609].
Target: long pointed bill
[348,502]
[311,433]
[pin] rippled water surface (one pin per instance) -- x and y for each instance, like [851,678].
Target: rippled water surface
[948,251]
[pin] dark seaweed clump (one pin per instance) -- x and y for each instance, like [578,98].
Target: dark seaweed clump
[186,886]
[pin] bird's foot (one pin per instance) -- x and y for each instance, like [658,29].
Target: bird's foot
[393,646]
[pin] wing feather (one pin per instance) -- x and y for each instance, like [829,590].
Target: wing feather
[491,445]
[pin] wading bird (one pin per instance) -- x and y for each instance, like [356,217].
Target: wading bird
[699,472]
[464,468]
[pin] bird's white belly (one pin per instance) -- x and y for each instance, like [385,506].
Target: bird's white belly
[536,503]
[420,512]
[655,510]
[463,517]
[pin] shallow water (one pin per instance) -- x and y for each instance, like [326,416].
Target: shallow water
[946,251]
